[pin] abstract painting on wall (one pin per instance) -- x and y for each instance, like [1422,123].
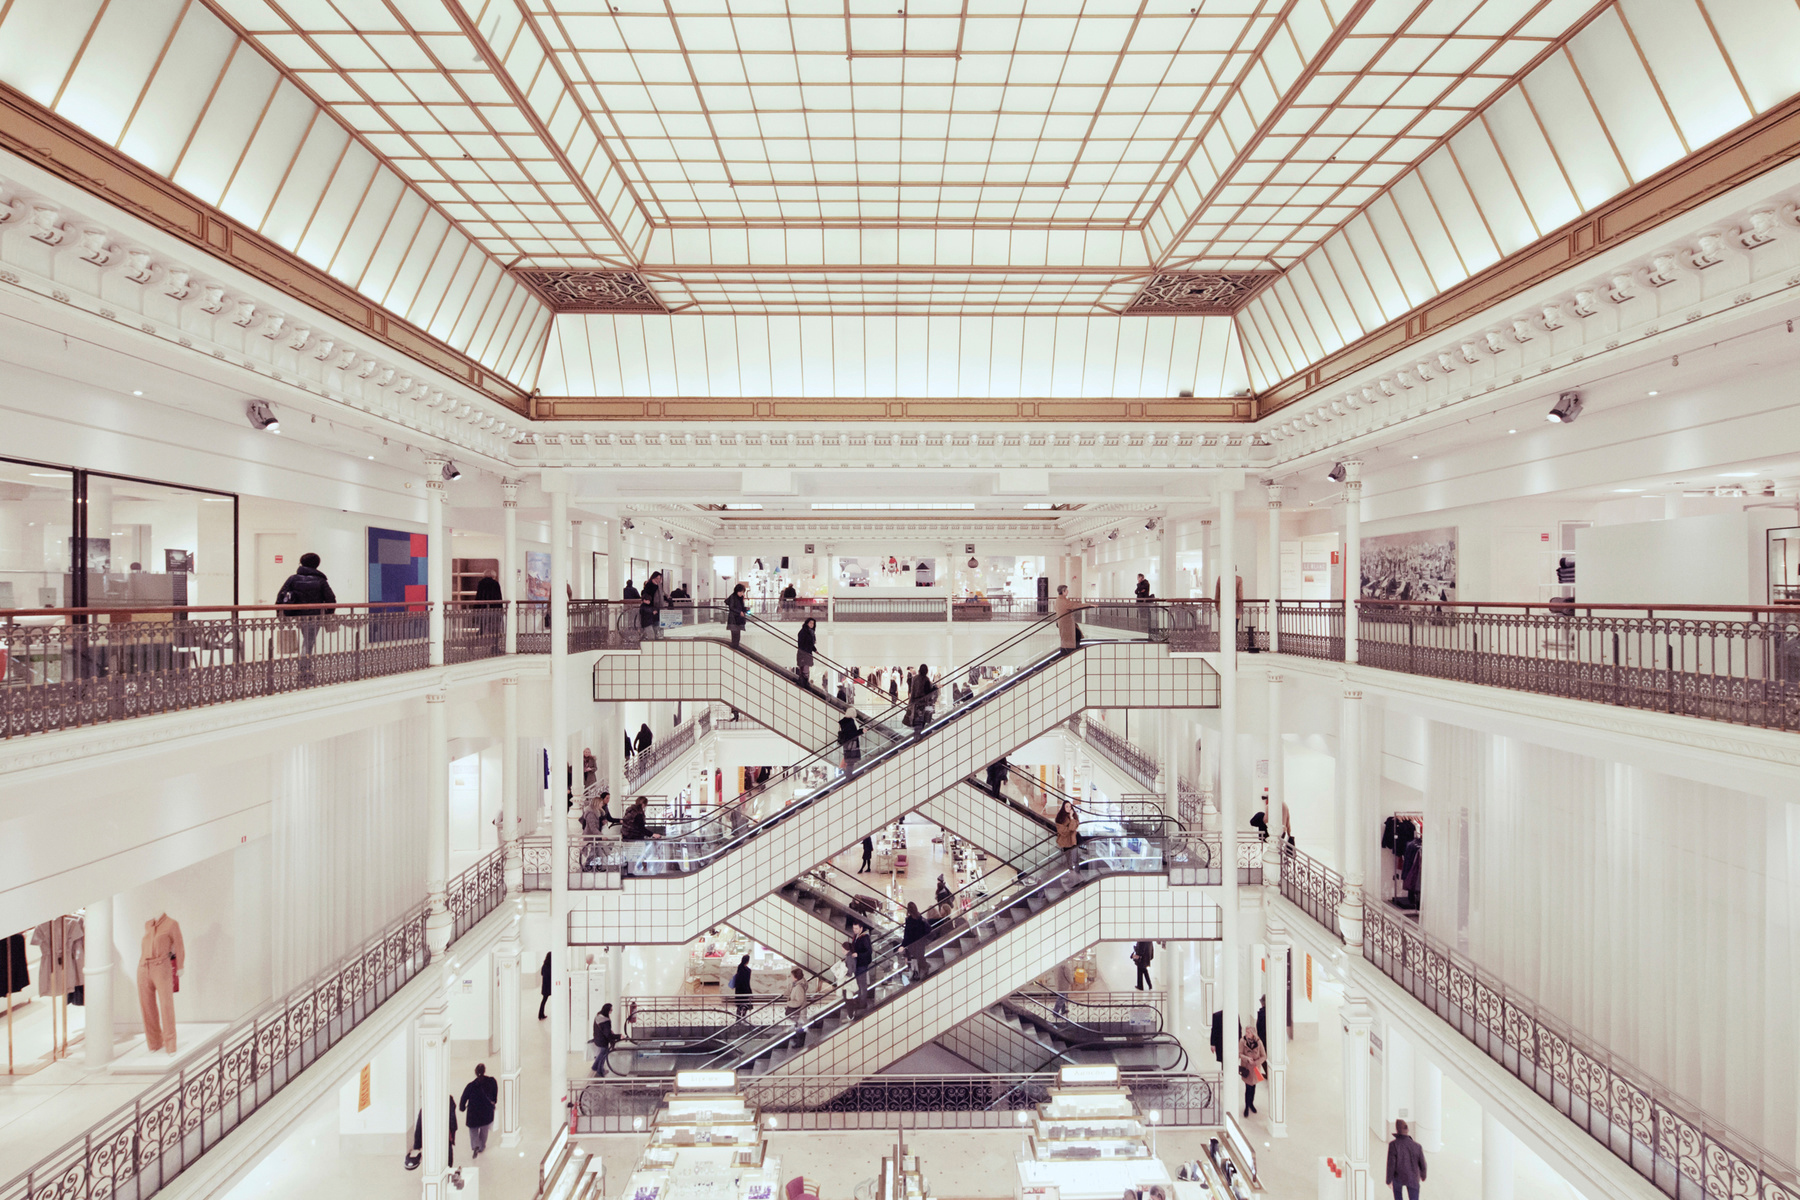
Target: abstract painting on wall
[1410,566]
[397,566]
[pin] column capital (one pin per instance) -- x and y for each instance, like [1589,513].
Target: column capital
[1353,694]
[437,695]
[1274,492]
[1357,1013]
[511,681]
[509,493]
[1275,677]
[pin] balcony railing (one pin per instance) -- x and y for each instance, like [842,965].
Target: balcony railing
[143,1146]
[474,630]
[648,761]
[1313,887]
[1662,1138]
[893,1101]
[1116,749]
[1739,665]
[66,668]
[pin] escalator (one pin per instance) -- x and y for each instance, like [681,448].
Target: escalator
[724,860]
[1033,1031]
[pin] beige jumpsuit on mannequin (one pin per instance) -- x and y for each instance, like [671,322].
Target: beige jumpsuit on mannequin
[163,956]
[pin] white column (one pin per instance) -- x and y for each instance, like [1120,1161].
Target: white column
[437,821]
[1165,566]
[1231,949]
[1277,785]
[1171,763]
[1279,948]
[509,784]
[559,823]
[1358,1017]
[506,962]
[1496,1159]
[578,573]
[1350,817]
[434,1094]
[437,549]
[98,982]
[1427,1102]
[615,562]
[1209,992]
[509,565]
[1352,552]
[1274,567]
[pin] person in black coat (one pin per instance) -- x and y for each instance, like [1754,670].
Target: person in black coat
[479,1097]
[809,643]
[630,592]
[736,612]
[604,1039]
[644,738]
[913,939]
[650,600]
[1143,589]
[1141,954]
[996,774]
[419,1132]
[868,855]
[740,985]
[545,972]
[307,586]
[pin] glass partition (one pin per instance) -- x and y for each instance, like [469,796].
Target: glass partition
[37,523]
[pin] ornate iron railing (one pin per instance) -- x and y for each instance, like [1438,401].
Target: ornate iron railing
[533,617]
[1659,1136]
[474,630]
[890,1101]
[1736,665]
[595,863]
[1313,887]
[65,668]
[887,608]
[142,1146]
[1311,628]
[1117,749]
[609,625]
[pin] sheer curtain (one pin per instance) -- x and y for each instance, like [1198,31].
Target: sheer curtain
[1659,916]
[348,826]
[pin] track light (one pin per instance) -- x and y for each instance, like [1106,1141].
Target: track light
[262,417]
[1150,524]
[451,472]
[626,524]
[1336,475]
[667,536]
[1112,535]
[1566,409]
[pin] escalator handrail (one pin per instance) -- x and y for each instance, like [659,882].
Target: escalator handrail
[1068,1022]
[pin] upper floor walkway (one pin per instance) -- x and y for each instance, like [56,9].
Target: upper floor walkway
[69,668]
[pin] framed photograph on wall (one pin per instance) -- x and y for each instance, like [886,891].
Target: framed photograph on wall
[1410,566]
[537,575]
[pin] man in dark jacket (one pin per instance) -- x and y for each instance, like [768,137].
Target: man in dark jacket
[864,949]
[308,585]
[490,617]
[631,592]
[479,1096]
[544,971]
[1405,1164]
[736,613]
[1143,589]
[604,1039]
[1141,954]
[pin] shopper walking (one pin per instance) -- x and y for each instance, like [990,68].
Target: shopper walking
[864,949]
[1141,954]
[740,986]
[1405,1163]
[808,640]
[1068,836]
[849,741]
[943,896]
[592,824]
[1065,983]
[650,603]
[604,1039]
[479,1097]
[1066,629]
[736,613]
[914,938]
[645,739]
[307,586]
[1253,1059]
[412,1160]
[868,855]
[545,972]
[921,695]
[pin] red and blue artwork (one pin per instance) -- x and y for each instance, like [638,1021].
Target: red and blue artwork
[397,565]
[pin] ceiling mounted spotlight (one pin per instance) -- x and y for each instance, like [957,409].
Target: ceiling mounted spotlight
[262,417]
[1150,524]
[1566,408]
[667,536]
[626,524]
[451,472]
[1112,535]
[1336,475]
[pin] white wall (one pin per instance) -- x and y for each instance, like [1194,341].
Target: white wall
[1719,558]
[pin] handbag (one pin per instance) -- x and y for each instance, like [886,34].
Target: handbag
[174,975]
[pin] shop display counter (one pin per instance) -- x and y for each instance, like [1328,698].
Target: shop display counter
[901,1178]
[569,1172]
[1088,1141]
[705,1144]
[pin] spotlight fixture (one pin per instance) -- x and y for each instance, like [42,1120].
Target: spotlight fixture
[1150,524]
[667,536]
[262,417]
[1336,474]
[1566,409]
[451,472]
[626,524]
[1112,535]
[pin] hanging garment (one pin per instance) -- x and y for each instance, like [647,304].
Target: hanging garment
[15,971]
[61,947]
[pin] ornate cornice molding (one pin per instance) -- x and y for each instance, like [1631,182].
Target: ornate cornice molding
[890,408]
[44,139]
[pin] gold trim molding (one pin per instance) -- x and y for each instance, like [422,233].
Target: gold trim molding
[789,408]
[46,140]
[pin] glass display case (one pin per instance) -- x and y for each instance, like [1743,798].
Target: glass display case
[1088,1141]
[705,1143]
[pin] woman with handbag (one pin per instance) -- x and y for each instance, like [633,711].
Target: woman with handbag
[650,603]
[1253,1057]
[808,641]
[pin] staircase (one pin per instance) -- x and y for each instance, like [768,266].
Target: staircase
[749,865]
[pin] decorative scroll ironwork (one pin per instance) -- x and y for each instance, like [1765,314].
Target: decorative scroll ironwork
[90,667]
[1196,293]
[651,759]
[1311,885]
[584,291]
[1659,1136]
[474,630]
[476,892]
[605,625]
[889,1101]
[1117,749]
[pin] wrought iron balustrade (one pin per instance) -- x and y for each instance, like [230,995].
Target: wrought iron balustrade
[976,1101]
[1311,628]
[141,1147]
[887,608]
[474,630]
[1313,887]
[66,668]
[1117,749]
[646,762]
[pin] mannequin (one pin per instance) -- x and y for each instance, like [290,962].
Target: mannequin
[162,959]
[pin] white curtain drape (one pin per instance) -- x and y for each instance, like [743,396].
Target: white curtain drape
[1658,916]
[348,826]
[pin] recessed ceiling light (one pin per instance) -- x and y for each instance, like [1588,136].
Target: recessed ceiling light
[1739,474]
[137,393]
[1628,489]
[1512,431]
[1649,393]
[371,458]
[1415,456]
